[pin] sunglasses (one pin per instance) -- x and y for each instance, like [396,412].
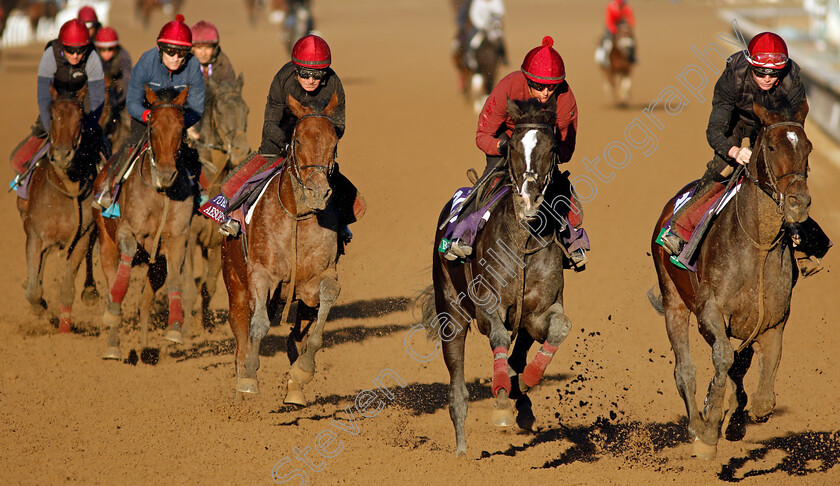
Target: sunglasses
[540,87]
[315,74]
[173,52]
[73,50]
[106,49]
[762,71]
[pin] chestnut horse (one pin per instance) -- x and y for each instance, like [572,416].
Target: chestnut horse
[55,214]
[743,284]
[291,255]
[619,66]
[156,206]
[514,281]
[222,146]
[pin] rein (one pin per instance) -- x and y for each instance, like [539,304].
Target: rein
[152,162]
[296,169]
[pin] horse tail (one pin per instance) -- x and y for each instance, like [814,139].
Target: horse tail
[425,302]
[655,299]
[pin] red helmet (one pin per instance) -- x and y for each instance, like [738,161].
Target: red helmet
[204,33]
[543,64]
[176,33]
[74,34]
[312,52]
[88,15]
[106,37]
[767,50]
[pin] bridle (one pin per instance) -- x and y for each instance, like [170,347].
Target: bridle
[225,138]
[530,175]
[153,167]
[325,169]
[78,140]
[778,195]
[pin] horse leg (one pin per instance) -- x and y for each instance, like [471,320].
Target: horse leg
[453,355]
[737,427]
[147,298]
[770,352]
[624,89]
[259,324]
[90,295]
[712,324]
[303,369]
[305,318]
[240,317]
[175,256]
[112,316]
[35,253]
[518,359]
[213,266]
[68,285]
[685,372]
[190,289]
[501,385]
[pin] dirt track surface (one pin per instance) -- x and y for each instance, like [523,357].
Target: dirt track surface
[608,411]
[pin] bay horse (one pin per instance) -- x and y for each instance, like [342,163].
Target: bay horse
[55,213]
[292,251]
[156,206]
[222,145]
[619,65]
[143,9]
[514,281]
[744,281]
[114,121]
[479,77]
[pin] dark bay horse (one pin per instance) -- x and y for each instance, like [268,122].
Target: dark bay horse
[514,282]
[156,206]
[55,214]
[222,146]
[292,246]
[743,284]
[478,75]
[619,65]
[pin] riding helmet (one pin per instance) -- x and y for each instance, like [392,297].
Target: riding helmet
[88,15]
[74,34]
[106,37]
[767,50]
[176,34]
[204,32]
[543,64]
[311,52]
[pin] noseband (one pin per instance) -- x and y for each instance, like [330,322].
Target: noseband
[530,175]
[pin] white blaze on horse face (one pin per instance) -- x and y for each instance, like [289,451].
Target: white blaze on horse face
[529,143]
[793,138]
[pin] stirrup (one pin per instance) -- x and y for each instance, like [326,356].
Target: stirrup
[808,266]
[103,200]
[672,243]
[459,249]
[579,259]
[230,228]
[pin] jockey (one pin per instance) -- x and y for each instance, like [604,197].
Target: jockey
[215,64]
[88,15]
[169,65]
[116,63]
[617,12]
[474,19]
[69,64]
[542,77]
[309,79]
[282,12]
[762,73]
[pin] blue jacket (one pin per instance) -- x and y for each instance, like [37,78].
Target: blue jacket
[150,70]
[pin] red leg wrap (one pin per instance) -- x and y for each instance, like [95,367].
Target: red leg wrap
[536,368]
[501,379]
[176,312]
[64,319]
[120,284]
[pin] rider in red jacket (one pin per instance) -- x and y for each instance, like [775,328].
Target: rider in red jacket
[542,77]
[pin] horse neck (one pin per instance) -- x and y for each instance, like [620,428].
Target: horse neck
[757,212]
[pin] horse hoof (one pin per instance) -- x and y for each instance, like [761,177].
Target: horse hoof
[39,308]
[64,326]
[300,375]
[90,296]
[295,397]
[174,336]
[247,385]
[112,352]
[503,417]
[704,451]
[109,319]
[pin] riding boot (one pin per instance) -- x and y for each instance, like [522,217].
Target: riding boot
[346,195]
[680,230]
[104,198]
[808,265]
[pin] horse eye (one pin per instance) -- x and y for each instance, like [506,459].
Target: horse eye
[771,148]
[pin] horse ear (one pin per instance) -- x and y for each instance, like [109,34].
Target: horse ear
[802,112]
[512,108]
[240,81]
[551,105]
[296,108]
[762,113]
[80,95]
[332,105]
[182,97]
[151,97]
[53,92]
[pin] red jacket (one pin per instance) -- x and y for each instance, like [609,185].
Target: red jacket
[616,13]
[515,86]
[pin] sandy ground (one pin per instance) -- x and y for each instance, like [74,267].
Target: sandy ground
[608,412]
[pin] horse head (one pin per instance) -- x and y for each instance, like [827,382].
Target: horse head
[66,123]
[229,119]
[166,128]
[782,160]
[312,152]
[530,155]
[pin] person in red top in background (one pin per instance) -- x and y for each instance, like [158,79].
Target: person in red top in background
[543,77]
[617,11]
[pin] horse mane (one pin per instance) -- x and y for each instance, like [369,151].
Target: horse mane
[532,111]
[167,94]
[780,106]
